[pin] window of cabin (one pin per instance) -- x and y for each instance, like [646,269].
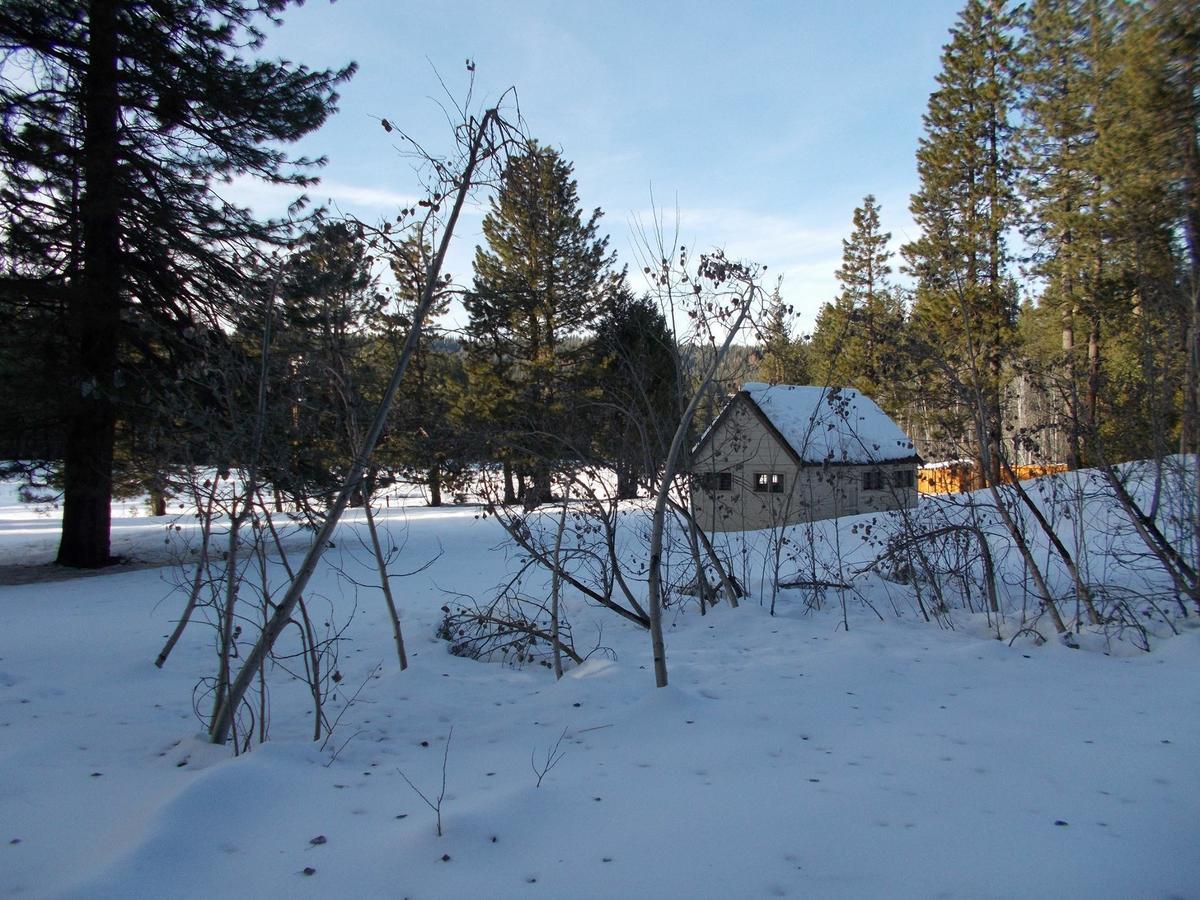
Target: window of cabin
[904,478]
[768,482]
[716,481]
[872,481]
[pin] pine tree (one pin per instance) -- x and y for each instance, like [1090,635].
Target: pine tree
[539,286]
[327,300]
[1164,51]
[965,302]
[422,438]
[1066,70]
[784,359]
[634,403]
[1099,182]
[857,339]
[119,122]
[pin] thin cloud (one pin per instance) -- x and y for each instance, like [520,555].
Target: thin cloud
[274,199]
[806,256]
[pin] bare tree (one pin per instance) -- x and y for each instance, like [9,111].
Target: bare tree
[482,143]
[706,303]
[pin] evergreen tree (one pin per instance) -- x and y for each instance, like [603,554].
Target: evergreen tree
[634,407]
[1162,59]
[783,359]
[327,300]
[119,121]
[541,280]
[422,438]
[965,303]
[1066,57]
[1098,182]
[857,339]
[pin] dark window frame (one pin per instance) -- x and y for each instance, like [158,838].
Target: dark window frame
[768,482]
[715,482]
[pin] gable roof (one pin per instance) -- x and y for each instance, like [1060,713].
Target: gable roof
[818,425]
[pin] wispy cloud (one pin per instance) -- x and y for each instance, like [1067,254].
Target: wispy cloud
[805,256]
[273,199]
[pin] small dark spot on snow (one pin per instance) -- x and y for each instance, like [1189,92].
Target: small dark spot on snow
[309,870]
[15,841]
[1164,741]
[424,743]
[597,799]
[577,704]
[97,774]
[402,816]
[490,774]
[531,880]
[691,721]
[319,840]
[814,780]
[606,859]
[1062,823]
[494,839]
[445,857]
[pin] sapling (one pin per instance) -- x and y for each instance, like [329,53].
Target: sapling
[435,805]
[553,757]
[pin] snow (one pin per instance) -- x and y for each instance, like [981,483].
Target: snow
[838,425]
[788,757]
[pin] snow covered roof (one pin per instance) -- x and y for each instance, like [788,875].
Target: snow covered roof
[829,424]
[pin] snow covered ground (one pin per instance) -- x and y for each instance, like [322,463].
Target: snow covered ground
[789,756]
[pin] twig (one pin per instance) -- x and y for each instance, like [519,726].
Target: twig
[436,807]
[349,703]
[338,751]
[553,756]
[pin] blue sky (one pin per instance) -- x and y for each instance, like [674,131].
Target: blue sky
[765,123]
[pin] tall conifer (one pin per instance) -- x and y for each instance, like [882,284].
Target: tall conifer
[965,302]
[858,337]
[539,283]
[121,124]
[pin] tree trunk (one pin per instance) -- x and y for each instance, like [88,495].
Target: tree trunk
[1092,424]
[540,488]
[670,467]
[627,481]
[224,720]
[556,590]
[435,485]
[158,500]
[95,311]
[510,493]
[1068,346]
[385,583]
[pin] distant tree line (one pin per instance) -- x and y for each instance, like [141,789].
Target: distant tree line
[1052,309]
